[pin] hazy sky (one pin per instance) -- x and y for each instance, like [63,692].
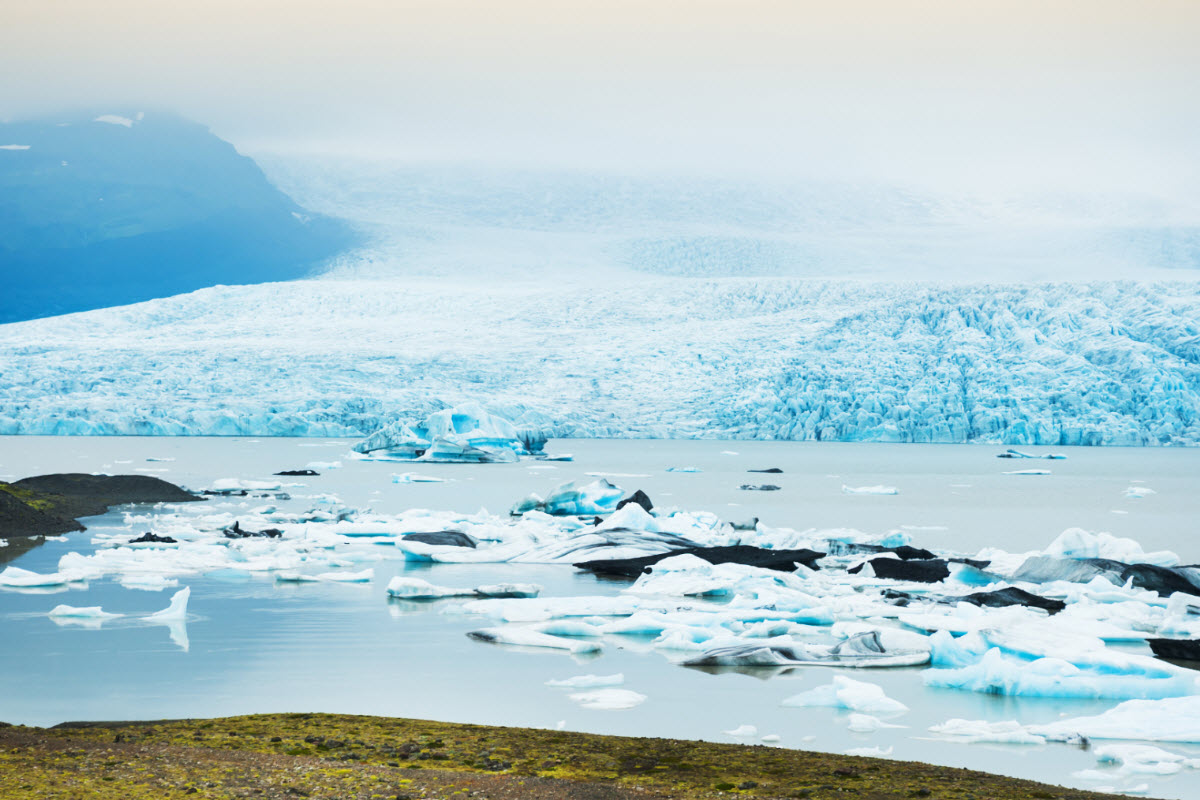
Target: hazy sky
[1083,93]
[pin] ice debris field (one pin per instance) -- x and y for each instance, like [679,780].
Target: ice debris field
[1112,363]
[1079,618]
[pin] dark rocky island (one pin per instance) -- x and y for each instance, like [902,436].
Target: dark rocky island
[98,210]
[48,505]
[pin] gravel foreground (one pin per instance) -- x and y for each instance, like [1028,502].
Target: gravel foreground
[289,756]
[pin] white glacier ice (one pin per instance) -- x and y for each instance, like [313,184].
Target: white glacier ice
[177,610]
[743,731]
[589,681]
[844,692]
[1175,719]
[85,612]
[609,699]
[1046,364]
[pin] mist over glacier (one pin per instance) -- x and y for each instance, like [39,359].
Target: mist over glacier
[596,304]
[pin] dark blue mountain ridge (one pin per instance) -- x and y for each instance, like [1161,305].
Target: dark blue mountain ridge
[98,210]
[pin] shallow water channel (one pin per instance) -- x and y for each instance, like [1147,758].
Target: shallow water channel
[254,645]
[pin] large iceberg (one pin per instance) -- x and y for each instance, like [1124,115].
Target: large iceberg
[465,433]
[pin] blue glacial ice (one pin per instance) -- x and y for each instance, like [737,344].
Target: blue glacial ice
[781,358]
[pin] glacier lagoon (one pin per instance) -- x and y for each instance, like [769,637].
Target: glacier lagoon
[254,644]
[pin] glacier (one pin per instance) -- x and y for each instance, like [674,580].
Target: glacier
[1101,363]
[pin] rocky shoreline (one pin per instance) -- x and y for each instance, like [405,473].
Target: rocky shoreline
[288,756]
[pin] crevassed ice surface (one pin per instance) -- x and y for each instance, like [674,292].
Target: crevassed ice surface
[1109,363]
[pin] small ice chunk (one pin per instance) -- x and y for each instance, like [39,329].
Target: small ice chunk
[148,583]
[364,576]
[869,489]
[972,731]
[113,119]
[609,699]
[502,590]
[869,752]
[743,731]
[418,589]
[865,723]
[526,637]
[1139,491]
[23,578]
[772,737]
[412,477]
[177,610]
[84,612]
[589,681]
[683,469]
[848,693]
[324,465]
[1028,472]
[230,485]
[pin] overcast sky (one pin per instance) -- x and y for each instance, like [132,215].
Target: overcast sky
[1048,92]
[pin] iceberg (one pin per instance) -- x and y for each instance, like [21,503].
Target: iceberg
[87,612]
[860,650]
[16,577]
[1175,719]
[1055,677]
[574,499]
[177,610]
[526,637]
[742,731]
[465,433]
[589,681]
[979,731]
[844,692]
[609,699]
[419,589]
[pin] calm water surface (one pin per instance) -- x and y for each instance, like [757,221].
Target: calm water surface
[255,646]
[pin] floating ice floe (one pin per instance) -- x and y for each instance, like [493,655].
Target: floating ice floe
[86,612]
[362,576]
[149,583]
[978,731]
[237,485]
[1139,491]
[589,681]
[1055,677]
[412,477]
[1027,472]
[683,469]
[861,650]
[177,610]
[865,723]
[1011,453]
[575,499]
[465,433]
[1166,720]
[419,589]
[609,699]
[848,693]
[526,637]
[742,731]
[16,577]
[869,489]
[869,752]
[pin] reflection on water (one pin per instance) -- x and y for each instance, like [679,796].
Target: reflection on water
[251,644]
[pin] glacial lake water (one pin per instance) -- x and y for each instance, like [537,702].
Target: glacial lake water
[258,646]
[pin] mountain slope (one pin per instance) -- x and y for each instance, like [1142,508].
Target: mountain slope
[108,210]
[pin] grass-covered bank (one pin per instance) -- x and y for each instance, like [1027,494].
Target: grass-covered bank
[288,756]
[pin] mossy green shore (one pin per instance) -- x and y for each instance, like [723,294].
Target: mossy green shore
[336,756]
